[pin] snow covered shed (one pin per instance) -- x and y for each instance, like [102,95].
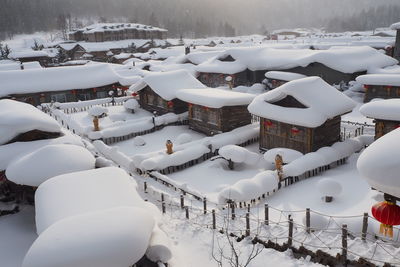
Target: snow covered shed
[60,84]
[31,55]
[303,115]
[157,91]
[386,115]
[383,86]
[396,52]
[213,111]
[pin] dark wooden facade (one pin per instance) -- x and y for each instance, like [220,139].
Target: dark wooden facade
[118,32]
[15,192]
[381,91]
[383,127]
[151,101]
[34,135]
[71,95]
[212,121]
[275,134]
[219,79]
[396,52]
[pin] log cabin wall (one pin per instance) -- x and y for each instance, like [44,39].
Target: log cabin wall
[396,53]
[151,102]
[381,91]
[234,117]
[218,79]
[34,135]
[327,134]
[383,127]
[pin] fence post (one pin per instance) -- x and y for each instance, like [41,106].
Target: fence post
[162,197]
[248,208]
[308,220]
[233,210]
[205,205]
[344,244]
[266,214]
[182,202]
[247,224]
[364,227]
[187,212]
[290,237]
[163,207]
[145,187]
[213,219]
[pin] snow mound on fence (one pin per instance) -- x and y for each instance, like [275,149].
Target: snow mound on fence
[97,111]
[329,187]
[379,164]
[17,118]
[115,237]
[131,104]
[48,161]
[239,154]
[288,155]
[139,141]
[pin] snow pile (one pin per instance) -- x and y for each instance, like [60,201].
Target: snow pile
[379,79]
[112,153]
[379,164]
[215,65]
[97,111]
[17,118]
[388,109]
[127,127]
[244,190]
[159,247]
[395,26]
[139,141]
[184,138]
[284,76]
[131,104]
[255,89]
[89,103]
[215,98]
[48,161]
[113,237]
[239,154]
[288,155]
[329,187]
[322,102]
[167,84]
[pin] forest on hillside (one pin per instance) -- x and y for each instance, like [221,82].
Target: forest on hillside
[195,19]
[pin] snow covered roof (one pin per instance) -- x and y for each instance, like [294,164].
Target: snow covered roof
[379,163]
[388,109]
[167,84]
[379,79]
[101,27]
[17,118]
[322,102]
[283,75]
[77,193]
[57,79]
[114,237]
[48,161]
[215,98]
[395,26]
[28,53]
[200,57]
[343,59]
[16,65]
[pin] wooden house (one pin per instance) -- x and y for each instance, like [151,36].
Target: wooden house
[303,115]
[396,52]
[383,86]
[213,111]
[386,115]
[157,91]
[29,56]
[62,84]
[278,78]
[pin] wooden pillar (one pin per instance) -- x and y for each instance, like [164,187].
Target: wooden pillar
[290,234]
[308,220]
[364,227]
[214,220]
[182,202]
[266,214]
[344,244]
[247,224]
[205,205]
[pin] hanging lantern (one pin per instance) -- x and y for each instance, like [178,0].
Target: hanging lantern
[170,104]
[295,131]
[268,123]
[388,214]
[134,94]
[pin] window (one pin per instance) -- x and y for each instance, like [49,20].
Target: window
[150,99]
[84,96]
[212,116]
[59,98]
[101,94]
[161,102]
[197,113]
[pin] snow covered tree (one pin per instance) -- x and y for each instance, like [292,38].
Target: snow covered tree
[36,46]
[61,56]
[4,51]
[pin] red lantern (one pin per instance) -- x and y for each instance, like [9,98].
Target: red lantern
[170,104]
[73,92]
[366,86]
[268,123]
[94,90]
[388,214]
[295,131]
[134,94]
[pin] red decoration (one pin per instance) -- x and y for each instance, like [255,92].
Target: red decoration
[295,130]
[170,104]
[205,108]
[134,94]
[268,123]
[388,87]
[388,214]
[366,86]
[190,104]
[94,90]
[73,92]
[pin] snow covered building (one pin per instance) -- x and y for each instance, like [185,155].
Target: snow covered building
[103,32]
[386,115]
[303,115]
[278,78]
[158,91]
[383,86]
[396,52]
[61,84]
[30,55]
[213,111]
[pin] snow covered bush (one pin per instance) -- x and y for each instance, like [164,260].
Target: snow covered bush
[329,188]
[184,138]
[98,111]
[238,154]
[131,105]
[139,141]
